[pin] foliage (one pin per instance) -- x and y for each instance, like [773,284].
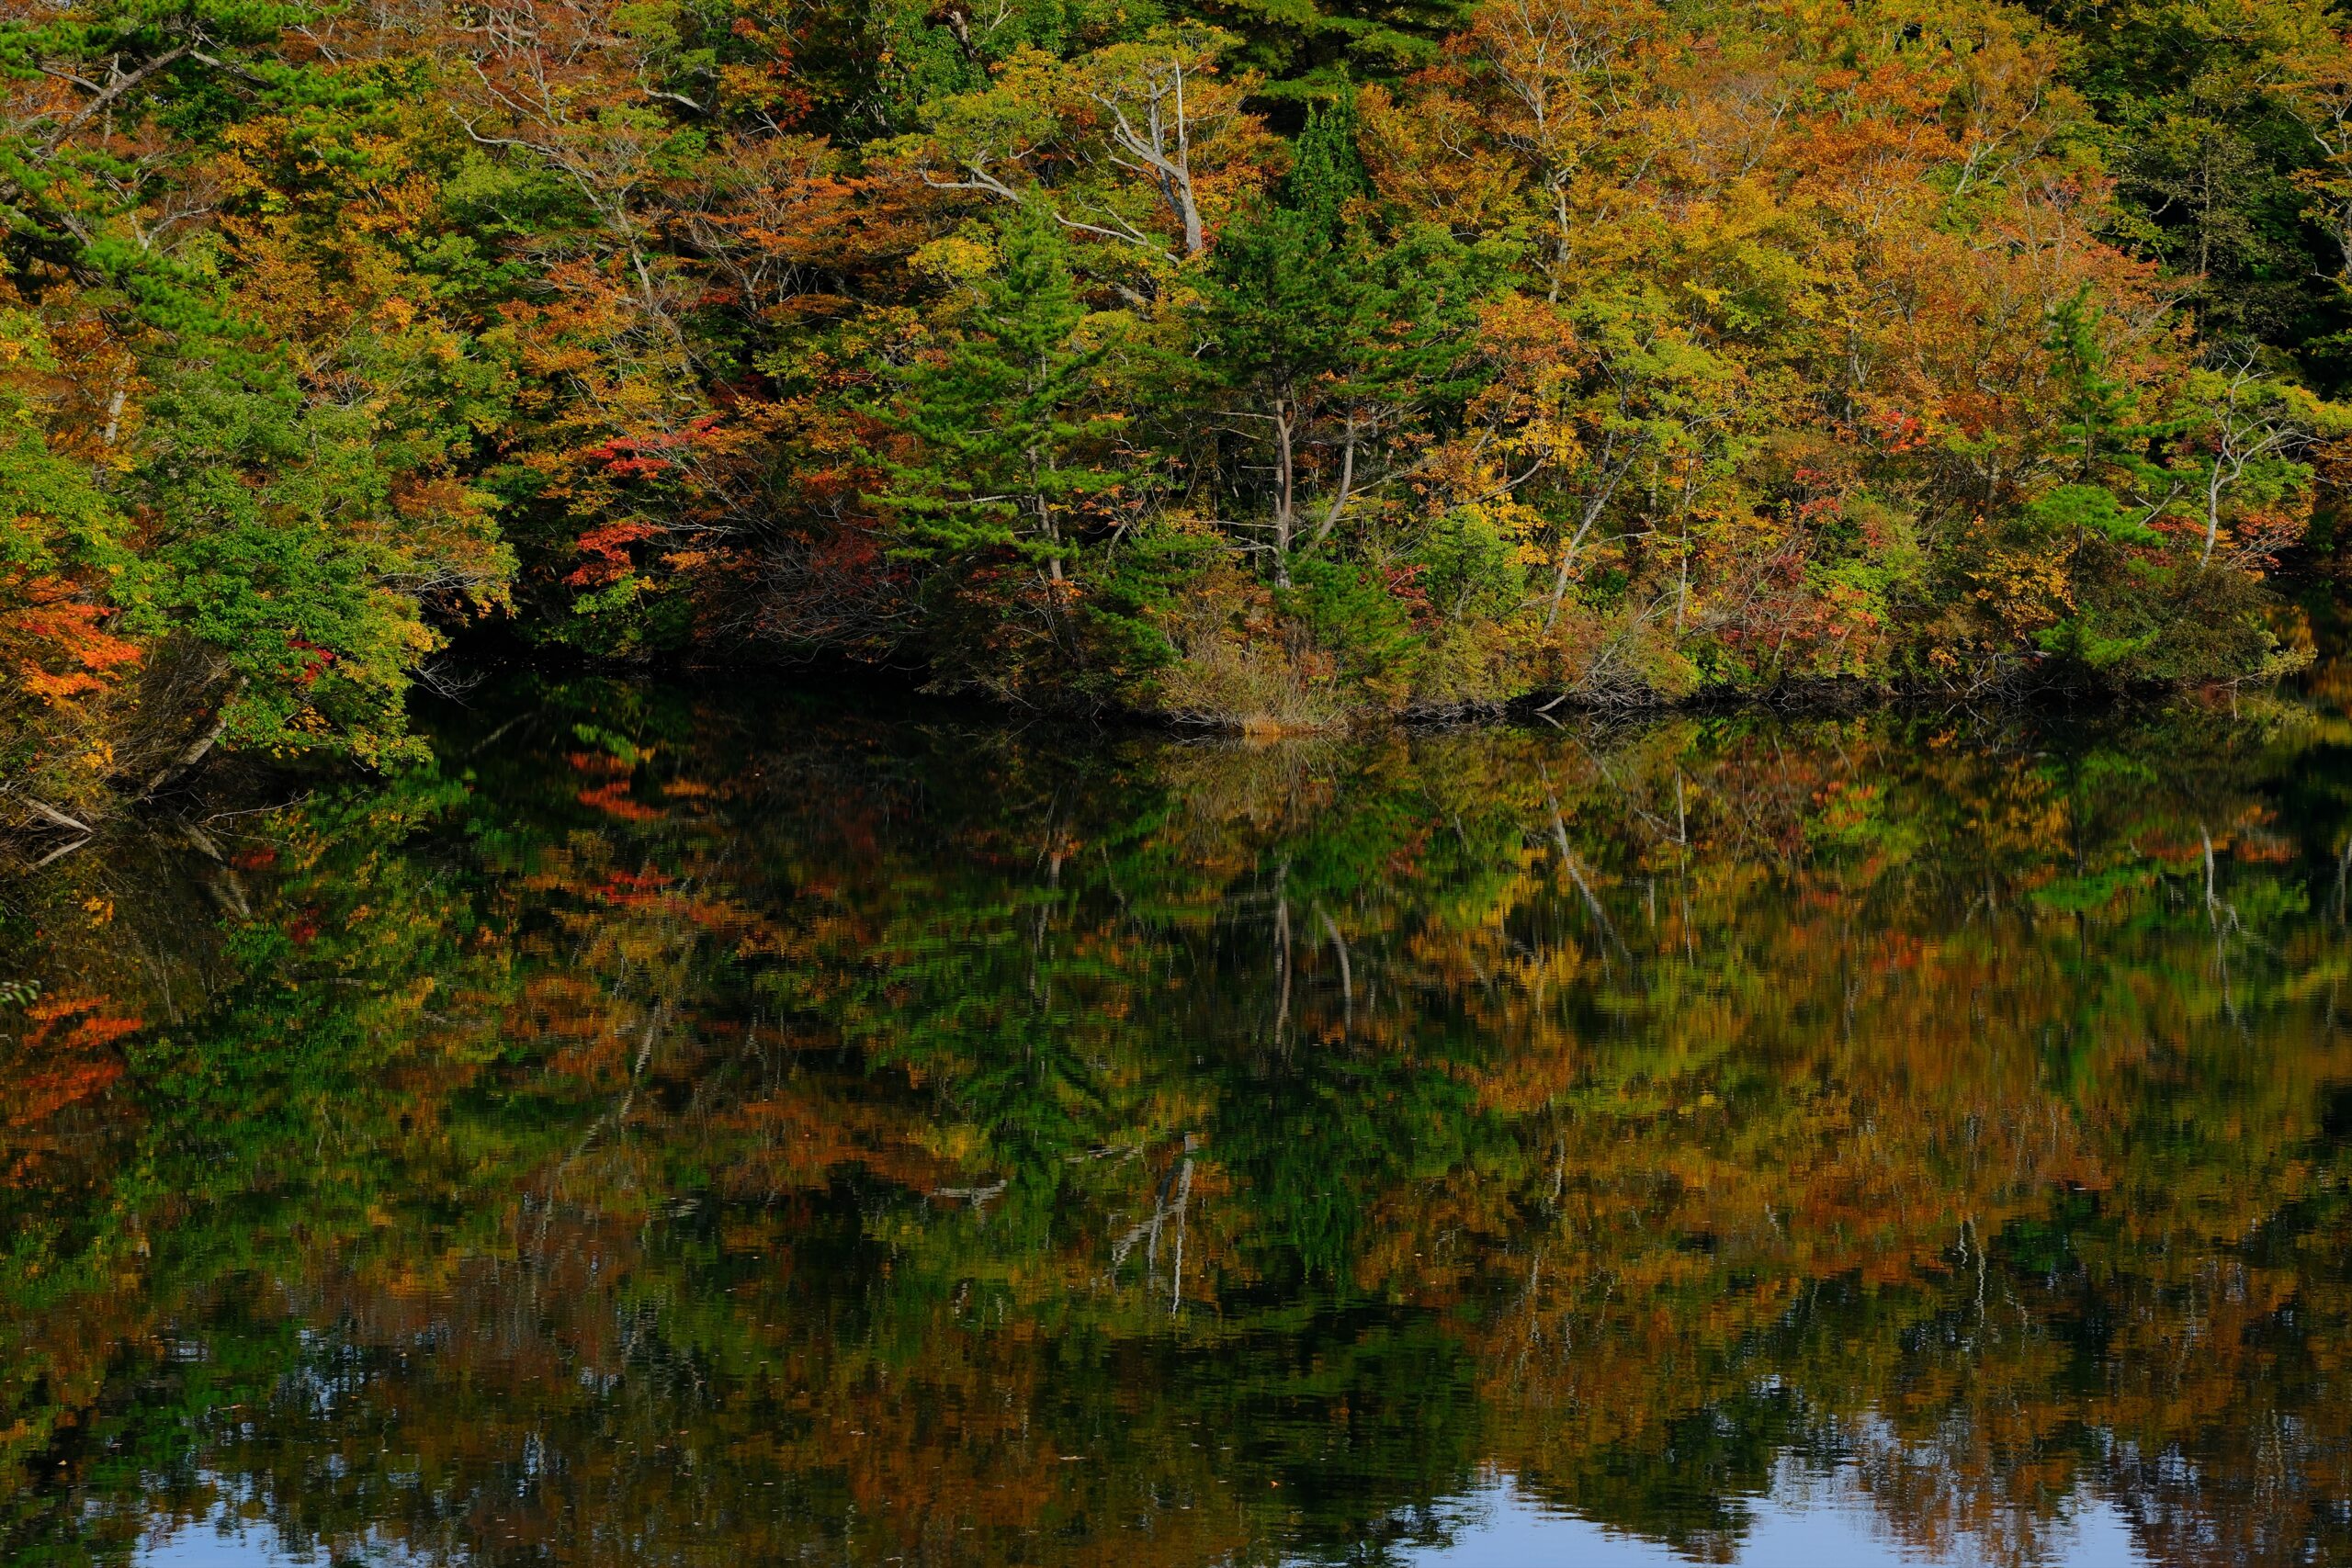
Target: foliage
[1631,352]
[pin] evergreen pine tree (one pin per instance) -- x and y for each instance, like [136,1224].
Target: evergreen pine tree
[1009,449]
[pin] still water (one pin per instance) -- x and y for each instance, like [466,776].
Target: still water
[681,1128]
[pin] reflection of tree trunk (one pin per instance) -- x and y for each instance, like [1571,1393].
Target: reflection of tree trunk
[1575,871]
[651,1036]
[1347,974]
[2214,911]
[1179,1177]
[1184,1199]
[615,1117]
[1281,953]
[226,888]
[1528,1304]
[2211,903]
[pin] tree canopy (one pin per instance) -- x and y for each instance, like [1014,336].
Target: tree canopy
[1248,363]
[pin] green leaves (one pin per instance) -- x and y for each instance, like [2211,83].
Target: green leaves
[2087,509]
[1008,445]
[1076,348]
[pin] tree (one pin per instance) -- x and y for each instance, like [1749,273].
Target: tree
[1331,342]
[1009,451]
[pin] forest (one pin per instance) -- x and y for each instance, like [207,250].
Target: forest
[1264,366]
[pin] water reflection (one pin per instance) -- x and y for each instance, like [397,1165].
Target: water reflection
[675,1132]
[1803,1524]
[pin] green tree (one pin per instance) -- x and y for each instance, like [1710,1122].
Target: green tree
[2210,149]
[1331,341]
[1007,461]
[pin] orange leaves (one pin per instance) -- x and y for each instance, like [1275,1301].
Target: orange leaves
[807,1139]
[613,799]
[791,211]
[90,1028]
[59,640]
[65,1061]
[638,889]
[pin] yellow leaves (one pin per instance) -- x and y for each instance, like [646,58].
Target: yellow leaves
[1146,143]
[1508,519]
[1426,152]
[2025,590]
[957,258]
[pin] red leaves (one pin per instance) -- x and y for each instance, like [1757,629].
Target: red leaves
[625,455]
[315,665]
[1404,585]
[630,890]
[1899,431]
[607,548]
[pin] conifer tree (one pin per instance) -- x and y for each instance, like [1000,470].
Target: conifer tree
[1006,449]
[1321,332]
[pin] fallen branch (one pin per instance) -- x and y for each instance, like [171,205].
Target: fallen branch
[43,809]
[59,854]
[196,748]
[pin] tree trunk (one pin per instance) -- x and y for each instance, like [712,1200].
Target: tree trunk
[1286,474]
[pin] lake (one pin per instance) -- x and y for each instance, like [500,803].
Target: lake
[734,1127]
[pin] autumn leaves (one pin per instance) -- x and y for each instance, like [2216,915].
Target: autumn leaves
[1256,369]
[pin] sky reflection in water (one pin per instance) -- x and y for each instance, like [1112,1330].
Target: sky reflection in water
[1492,1526]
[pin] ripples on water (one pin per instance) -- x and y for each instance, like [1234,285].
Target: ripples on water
[676,1131]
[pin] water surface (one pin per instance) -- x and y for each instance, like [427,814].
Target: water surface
[678,1129]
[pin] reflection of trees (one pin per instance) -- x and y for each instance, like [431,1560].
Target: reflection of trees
[711,1145]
